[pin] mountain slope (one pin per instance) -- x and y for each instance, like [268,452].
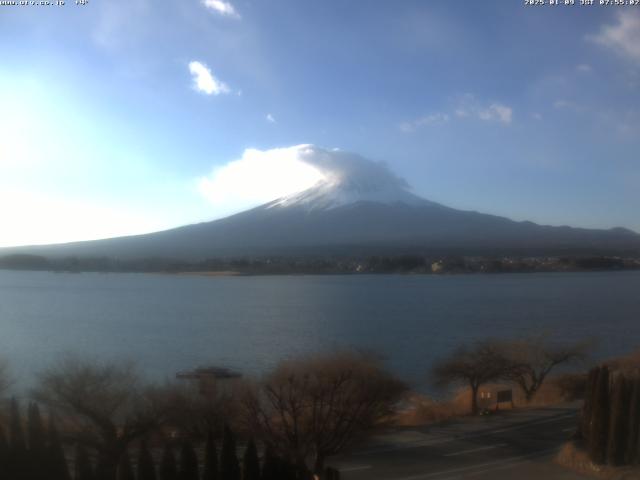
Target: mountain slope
[359,207]
[352,216]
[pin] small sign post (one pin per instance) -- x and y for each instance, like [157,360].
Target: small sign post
[504,396]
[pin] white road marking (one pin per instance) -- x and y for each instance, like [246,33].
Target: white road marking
[505,463]
[530,424]
[353,469]
[472,450]
[448,439]
[499,467]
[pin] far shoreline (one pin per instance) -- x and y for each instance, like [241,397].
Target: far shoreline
[205,273]
[407,264]
[231,273]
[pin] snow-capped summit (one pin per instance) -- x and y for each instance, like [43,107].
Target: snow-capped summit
[348,179]
[327,194]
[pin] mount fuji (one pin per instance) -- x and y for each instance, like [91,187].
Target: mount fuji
[359,208]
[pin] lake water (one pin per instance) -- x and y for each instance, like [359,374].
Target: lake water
[168,323]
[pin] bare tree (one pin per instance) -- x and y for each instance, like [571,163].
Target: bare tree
[103,404]
[196,413]
[530,360]
[474,366]
[314,407]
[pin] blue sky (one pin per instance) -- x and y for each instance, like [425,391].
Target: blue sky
[122,116]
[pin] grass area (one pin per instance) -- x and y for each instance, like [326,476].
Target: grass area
[574,457]
[424,410]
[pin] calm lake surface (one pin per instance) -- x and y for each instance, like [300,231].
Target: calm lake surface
[168,323]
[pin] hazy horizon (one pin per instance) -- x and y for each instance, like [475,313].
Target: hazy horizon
[113,125]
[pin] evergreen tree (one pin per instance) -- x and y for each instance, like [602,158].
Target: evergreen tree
[188,462]
[146,467]
[56,460]
[104,469]
[229,466]
[269,465]
[37,451]
[331,473]
[287,470]
[17,464]
[600,418]
[250,462]
[16,434]
[282,471]
[336,474]
[210,471]
[587,407]
[631,456]
[83,468]
[37,437]
[618,428]
[125,470]
[168,468]
[4,455]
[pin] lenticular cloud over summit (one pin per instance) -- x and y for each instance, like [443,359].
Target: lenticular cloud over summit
[338,166]
[261,176]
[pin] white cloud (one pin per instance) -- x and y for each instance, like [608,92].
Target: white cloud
[259,176]
[270,118]
[469,107]
[584,68]
[564,104]
[623,37]
[221,7]
[204,81]
[497,112]
[427,120]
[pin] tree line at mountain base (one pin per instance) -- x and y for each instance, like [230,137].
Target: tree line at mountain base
[325,265]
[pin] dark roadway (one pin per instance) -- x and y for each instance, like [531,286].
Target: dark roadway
[513,445]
